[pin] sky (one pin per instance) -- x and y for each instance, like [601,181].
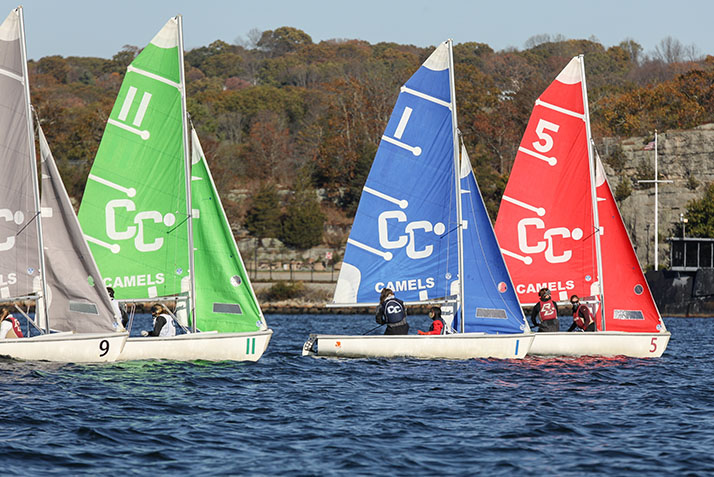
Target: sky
[101,28]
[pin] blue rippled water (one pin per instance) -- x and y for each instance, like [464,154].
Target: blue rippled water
[304,416]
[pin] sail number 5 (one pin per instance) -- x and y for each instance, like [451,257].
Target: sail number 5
[547,140]
[103,347]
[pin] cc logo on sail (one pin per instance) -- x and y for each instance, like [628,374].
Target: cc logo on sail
[18,218]
[137,231]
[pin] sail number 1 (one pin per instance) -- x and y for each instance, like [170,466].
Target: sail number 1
[103,347]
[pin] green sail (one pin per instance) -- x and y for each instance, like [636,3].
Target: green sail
[133,212]
[225,301]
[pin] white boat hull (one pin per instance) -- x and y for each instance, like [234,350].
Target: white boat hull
[210,346]
[602,343]
[66,347]
[454,346]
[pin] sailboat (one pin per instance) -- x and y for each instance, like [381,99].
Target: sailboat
[43,256]
[559,227]
[155,223]
[422,230]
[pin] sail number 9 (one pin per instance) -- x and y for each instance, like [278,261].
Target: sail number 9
[103,347]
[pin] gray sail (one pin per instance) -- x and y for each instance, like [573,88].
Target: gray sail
[78,300]
[19,257]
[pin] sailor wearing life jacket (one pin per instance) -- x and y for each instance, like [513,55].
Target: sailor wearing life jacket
[163,323]
[391,312]
[9,326]
[547,310]
[438,325]
[582,318]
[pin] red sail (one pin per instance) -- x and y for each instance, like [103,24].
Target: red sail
[628,302]
[545,221]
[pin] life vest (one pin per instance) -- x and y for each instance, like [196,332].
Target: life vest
[547,310]
[394,310]
[442,331]
[169,329]
[15,327]
[579,320]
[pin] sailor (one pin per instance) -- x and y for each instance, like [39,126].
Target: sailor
[438,325]
[547,310]
[9,326]
[391,312]
[119,310]
[582,318]
[164,325]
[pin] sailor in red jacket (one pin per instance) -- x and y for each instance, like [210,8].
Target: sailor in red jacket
[438,325]
[582,318]
[9,326]
[547,311]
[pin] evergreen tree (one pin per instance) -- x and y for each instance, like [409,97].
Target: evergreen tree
[700,215]
[303,222]
[263,218]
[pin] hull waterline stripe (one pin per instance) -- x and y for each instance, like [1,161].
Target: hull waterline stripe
[403,204]
[414,150]
[130,192]
[153,76]
[550,160]
[538,210]
[385,255]
[421,95]
[12,75]
[559,109]
[526,260]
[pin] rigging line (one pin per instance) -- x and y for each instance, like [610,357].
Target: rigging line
[593,233]
[447,233]
[179,224]
[27,224]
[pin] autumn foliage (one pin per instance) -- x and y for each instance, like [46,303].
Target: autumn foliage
[279,106]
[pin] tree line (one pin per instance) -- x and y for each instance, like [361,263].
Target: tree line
[279,112]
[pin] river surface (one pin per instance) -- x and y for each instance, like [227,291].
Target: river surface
[289,415]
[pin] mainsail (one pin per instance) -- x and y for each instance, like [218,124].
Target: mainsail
[225,300]
[77,298]
[403,234]
[19,229]
[546,224]
[133,212]
[545,221]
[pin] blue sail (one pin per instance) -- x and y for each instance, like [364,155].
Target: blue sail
[402,236]
[490,299]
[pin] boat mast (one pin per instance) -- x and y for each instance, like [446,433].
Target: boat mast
[187,166]
[33,165]
[593,192]
[457,182]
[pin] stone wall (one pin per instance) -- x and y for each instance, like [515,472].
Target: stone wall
[686,158]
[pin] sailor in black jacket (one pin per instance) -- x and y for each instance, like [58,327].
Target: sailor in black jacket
[391,312]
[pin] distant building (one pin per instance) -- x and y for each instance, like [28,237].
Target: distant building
[691,254]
